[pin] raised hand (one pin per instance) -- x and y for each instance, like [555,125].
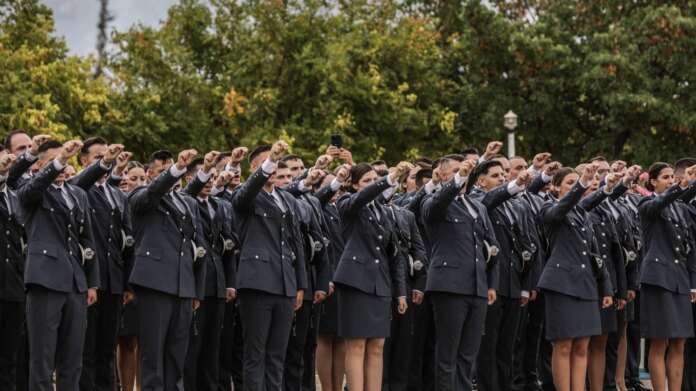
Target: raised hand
[278,150]
[524,179]
[333,151]
[466,168]
[37,141]
[493,148]
[238,154]
[113,151]
[70,149]
[540,160]
[611,180]
[552,168]
[313,177]
[343,174]
[401,169]
[347,156]
[6,161]
[588,174]
[209,160]
[223,179]
[323,162]
[185,158]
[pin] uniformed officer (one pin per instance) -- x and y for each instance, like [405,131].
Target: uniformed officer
[271,277]
[62,272]
[12,297]
[168,276]
[203,357]
[20,171]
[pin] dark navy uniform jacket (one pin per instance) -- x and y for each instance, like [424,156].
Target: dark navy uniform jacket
[457,259]
[370,261]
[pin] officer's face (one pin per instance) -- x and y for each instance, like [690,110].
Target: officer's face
[492,179]
[157,167]
[135,177]
[593,185]
[236,180]
[46,158]
[517,165]
[603,169]
[366,180]
[664,180]
[567,184]
[282,178]
[411,180]
[506,166]
[256,162]
[380,167]
[19,143]
[296,167]
[448,168]
[69,172]
[205,192]
[94,153]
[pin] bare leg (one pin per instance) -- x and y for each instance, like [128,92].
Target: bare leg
[578,363]
[127,359]
[339,363]
[656,363]
[560,364]
[675,363]
[597,362]
[325,361]
[374,364]
[621,356]
[355,363]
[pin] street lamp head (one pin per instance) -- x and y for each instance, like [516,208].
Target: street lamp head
[510,120]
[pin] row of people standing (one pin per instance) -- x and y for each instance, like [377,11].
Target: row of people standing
[340,272]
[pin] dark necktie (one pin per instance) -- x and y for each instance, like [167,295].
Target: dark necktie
[62,197]
[177,202]
[373,209]
[4,207]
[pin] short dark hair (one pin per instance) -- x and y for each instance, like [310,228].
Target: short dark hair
[282,164]
[684,163]
[192,167]
[455,156]
[483,168]
[378,163]
[287,158]
[133,164]
[599,158]
[50,144]
[162,155]
[258,150]
[87,144]
[424,162]
[382,172]
[8,138]
[421,175]
[358,171]
[470,151]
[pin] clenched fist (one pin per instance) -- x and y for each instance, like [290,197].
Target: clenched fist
[185,158]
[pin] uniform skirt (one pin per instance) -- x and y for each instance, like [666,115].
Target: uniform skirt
[664,314]
[129,320]
[328,320]
[609,318]
[362,315]
[570,317]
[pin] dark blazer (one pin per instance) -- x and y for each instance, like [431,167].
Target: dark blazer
[110,235]
[669,254]
[55,234]
[165,239]
[271,259]
[12,244]
[412,247]
[609,247]
[574,265]
[631,237]
[18,175]
[370,261]
[457,259]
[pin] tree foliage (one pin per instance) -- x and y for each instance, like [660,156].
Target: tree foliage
[394,77]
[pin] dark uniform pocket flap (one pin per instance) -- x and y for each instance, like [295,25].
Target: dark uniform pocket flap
[43,248]
[153,253]
[255,254]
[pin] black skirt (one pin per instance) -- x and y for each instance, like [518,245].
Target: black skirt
[570,317]
[362,315]
[129,320]
[609,318]
[665,314]
[328,316]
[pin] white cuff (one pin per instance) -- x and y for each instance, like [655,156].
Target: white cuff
[3,178]
[460,180]
[176,172]
[335,185]
[302,187]
[58,165]
[534,171]
[203,176]
[583,185]
[546,178]
[513,188]
[235,169]
[525,294]
[269,167]
[430,187]
[30,157]
[234,289]
[216,190]
[391,182]
[481,159]
[105,166]
[693,291]
[418,290]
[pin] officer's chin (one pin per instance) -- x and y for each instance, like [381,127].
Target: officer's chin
[60,179]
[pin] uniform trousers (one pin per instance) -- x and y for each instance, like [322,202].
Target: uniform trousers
[459,325]
[398,349]
[11,324]
[163,336]
[494,364]
[56,323]
[231,349]
[266,324]
[294,359]
[201,371]
[103,318]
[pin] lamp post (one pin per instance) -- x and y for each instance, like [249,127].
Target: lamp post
[510,122]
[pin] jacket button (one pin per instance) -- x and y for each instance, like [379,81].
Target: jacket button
[582,229]
[558,265]
[256,256]
[182,253]
[44,251]
[147,253]
[7,260]
[379,237]
[583,265]
[377,248]
[584,253]
[51,209]
[7,232]
[69,239]
[676,261]
[444,263]
[657,260]
[456,220]
[354,258]
[376,260]
[584,241]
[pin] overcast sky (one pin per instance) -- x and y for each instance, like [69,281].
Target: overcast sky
[76,20]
